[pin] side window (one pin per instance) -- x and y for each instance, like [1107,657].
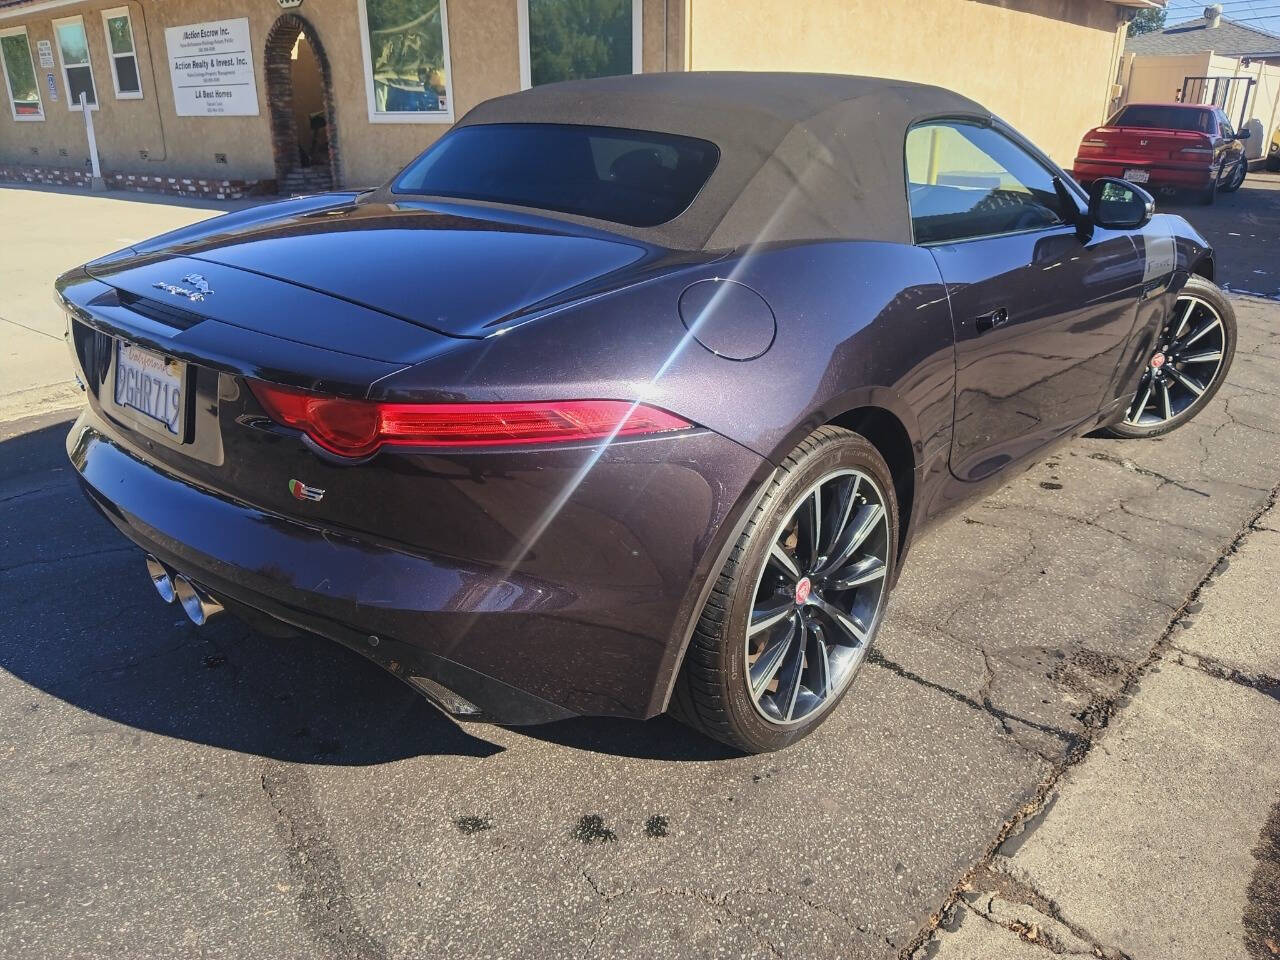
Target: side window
[966,180]
[1224,126]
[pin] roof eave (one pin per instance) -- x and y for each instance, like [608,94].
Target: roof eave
[22,9]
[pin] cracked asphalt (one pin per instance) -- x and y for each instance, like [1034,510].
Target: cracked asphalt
[166,791]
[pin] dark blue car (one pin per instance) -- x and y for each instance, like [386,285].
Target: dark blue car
[628,394]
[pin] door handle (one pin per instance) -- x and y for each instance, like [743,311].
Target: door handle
[989,321]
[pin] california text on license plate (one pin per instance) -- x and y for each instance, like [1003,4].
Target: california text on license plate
[151,384]
[1137,176]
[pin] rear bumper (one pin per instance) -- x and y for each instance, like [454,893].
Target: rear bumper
[521,648]
[1183,176]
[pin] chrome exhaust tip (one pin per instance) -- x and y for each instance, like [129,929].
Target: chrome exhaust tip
[199,604]
[160,579]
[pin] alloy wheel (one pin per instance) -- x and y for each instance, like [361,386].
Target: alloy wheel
[1237,176]
[818,597]
[1186,363]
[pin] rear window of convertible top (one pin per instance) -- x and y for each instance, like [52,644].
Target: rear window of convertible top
[632,177]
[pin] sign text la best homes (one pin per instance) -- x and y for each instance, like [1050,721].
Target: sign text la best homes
[211,65]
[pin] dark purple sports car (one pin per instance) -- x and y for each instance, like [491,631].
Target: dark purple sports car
[629,394]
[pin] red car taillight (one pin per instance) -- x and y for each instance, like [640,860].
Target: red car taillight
[1196,153]
[357,428]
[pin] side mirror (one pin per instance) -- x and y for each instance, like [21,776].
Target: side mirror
[1119,205]
[1242,135]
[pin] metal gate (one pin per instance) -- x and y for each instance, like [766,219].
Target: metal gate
[1218,91]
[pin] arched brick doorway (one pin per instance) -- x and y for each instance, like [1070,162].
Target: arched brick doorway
[306,154]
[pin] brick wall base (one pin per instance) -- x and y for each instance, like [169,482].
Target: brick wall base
[209,189]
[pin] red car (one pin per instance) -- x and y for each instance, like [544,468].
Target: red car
[1166,145]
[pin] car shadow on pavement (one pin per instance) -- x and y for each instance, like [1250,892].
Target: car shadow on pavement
[80,621]
[661,738]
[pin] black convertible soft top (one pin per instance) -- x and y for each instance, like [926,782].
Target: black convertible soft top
[802,156]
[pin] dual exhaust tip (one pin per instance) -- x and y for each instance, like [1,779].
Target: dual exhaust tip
[198,603]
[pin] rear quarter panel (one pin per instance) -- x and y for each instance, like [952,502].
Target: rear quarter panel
[857,323]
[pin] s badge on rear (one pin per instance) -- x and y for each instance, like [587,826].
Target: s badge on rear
[303,492]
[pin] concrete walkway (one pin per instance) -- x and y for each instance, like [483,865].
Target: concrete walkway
[45,232]
[1164,844]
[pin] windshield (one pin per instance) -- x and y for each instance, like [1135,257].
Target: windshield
[631,177]
[1162,118]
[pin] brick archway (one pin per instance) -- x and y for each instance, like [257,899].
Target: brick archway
[277,67]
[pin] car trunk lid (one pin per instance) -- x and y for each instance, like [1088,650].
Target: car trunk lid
[1146,145]
[450,269]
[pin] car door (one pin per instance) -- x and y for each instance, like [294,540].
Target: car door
[1041,316]
[1227,150]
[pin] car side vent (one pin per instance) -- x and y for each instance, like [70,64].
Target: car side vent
[93,350]
[160,312]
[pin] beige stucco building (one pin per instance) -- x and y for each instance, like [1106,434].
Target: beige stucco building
[349,90]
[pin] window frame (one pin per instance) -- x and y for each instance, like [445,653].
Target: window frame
[4,66]
[74,106]
[1018,141]
[116,13]
[407,116]
[1221,120]
[526,54]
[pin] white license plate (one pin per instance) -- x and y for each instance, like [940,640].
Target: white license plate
[151,384]
[1137,176]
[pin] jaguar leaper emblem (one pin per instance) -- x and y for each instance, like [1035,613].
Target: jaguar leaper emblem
[198,290]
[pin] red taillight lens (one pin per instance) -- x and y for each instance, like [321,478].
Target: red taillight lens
[357,428]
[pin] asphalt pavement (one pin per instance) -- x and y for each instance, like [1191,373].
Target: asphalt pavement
[168,791]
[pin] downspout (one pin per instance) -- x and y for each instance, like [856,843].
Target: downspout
[666,63]
[687,53]
[1117,58]
[155,88]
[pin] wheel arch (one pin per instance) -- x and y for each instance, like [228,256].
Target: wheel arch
[1204,267]
[889,435]
[884,428]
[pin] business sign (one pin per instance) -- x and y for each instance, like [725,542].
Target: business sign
[211,65]
[44,50]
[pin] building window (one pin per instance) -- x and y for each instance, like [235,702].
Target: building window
[406,60]
[124,58]
[20,75]
[577,39]
[73,52]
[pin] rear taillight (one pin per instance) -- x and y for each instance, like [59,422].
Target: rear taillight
[357,428]
[1196,153]
[1093,143]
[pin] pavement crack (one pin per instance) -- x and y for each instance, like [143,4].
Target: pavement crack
[83,555]
[1263,683]
[1001,716]
[1095,717]
[1164,479]
[324,905]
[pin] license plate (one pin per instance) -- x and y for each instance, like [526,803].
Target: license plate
[151,384]
[1137,176]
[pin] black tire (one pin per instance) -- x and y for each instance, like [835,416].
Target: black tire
[711,693]
[1209,194]
[1208,292]
[1237,177]
[1273,162]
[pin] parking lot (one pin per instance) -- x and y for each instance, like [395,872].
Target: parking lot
[168,791]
